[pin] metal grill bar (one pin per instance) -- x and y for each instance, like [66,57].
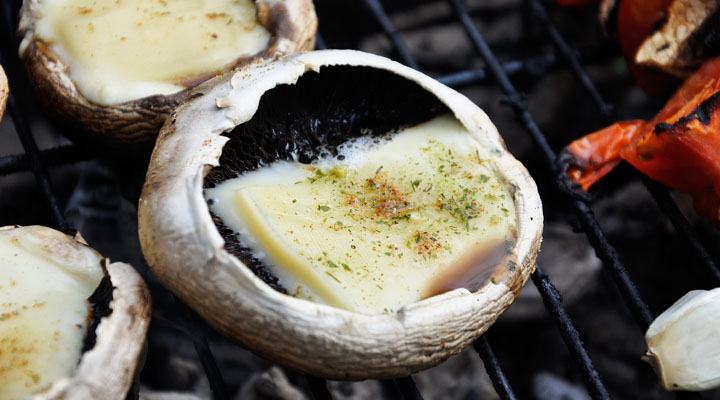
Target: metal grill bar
[658,191]
[606,252]
[407,388]
[535,66]
[38,168]
[513,97]
[320,43]
[569,56]
[553,302]
[387,26]
[531,66]
[492,366]
[189,321]
[611,259]
[60,155]
[681,224]
[22,128]
[318,388]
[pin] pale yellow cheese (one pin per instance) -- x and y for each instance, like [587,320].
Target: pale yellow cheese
[372,231]
[43,310]
[122,50]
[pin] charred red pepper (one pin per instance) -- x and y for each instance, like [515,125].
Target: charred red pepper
[680,147]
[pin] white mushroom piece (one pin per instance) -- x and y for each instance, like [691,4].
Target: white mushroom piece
[114,70]
[684,342]
[382,203]
[72,324]
[4,91]
[689,36]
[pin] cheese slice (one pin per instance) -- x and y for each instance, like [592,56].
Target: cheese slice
[374,228]
[43,308]
[122,50]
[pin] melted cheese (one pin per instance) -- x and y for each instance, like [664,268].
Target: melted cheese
[375,230]
[43,309]
[122,50]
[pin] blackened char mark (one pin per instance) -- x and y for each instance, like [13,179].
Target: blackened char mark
[663,127]
[703,113]
[566,161]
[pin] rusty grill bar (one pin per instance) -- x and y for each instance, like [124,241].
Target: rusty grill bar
[188,322]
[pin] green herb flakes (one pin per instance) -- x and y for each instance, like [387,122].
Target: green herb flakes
[333,276]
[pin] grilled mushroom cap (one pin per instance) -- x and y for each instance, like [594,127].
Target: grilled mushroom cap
[107,370]
[186,251]
[4,91]
[291,23]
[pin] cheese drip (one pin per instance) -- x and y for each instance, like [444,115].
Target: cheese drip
[123,50]
[43,308]
[377,227]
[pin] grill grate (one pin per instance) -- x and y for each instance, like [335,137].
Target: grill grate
[492,365]
[32,159]
[188,322]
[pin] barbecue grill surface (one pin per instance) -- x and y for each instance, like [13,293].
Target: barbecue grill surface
[545,77]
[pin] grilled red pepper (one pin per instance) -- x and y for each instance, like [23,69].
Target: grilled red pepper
[680,147]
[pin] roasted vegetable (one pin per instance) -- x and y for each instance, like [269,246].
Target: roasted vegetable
[636,20]
[687,37]
[684,342]
[680,147]
[663,41]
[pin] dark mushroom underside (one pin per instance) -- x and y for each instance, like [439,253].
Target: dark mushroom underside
[313,117]
[99,308]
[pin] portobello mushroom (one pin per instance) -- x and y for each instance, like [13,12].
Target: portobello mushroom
[73,324]
[310,112]
[113,71]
